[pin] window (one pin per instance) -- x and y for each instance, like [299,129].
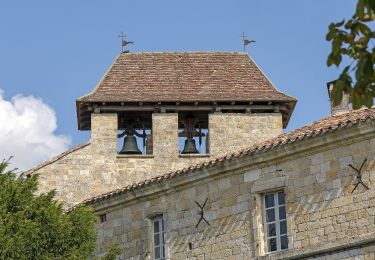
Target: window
[158,240]
[103,218]
[275,222]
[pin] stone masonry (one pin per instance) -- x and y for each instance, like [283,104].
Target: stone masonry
[247,157]
[325,219]
[230,132]
[99,168]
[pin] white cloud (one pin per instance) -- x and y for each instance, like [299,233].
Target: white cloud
[27,126]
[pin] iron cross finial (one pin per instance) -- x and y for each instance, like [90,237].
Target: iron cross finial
[124,42]
[245,41]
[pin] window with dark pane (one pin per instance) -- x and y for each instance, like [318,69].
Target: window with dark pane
[158,237]
[275,221]
[103,218]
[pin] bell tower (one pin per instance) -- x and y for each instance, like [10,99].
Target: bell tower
[153,113]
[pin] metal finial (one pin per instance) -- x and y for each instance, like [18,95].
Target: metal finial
[245,41]
[124,42]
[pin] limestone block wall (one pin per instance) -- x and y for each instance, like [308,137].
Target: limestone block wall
[68,176]
[104,137]
[88,171]
[165,141]
[165,157]
[227,133]
[365,253]
[227,211]
[104,170]
[97,168]
[321,206]
[322,211]
[230,132]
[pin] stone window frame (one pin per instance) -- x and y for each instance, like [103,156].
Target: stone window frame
[159,234]
[276,222]
[149,254]
[258,189]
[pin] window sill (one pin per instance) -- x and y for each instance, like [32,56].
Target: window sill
[275,255]
[139,156]
[193,155]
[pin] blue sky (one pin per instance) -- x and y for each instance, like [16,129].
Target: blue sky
[59,50]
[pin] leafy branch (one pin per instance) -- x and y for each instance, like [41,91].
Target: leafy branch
[353,39]
[36,226]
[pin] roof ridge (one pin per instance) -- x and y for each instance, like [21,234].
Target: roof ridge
[265,146]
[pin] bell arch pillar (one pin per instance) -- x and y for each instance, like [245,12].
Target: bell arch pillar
[103,152]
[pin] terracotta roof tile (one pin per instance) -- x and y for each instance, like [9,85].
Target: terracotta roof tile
[185,77]
[316,128]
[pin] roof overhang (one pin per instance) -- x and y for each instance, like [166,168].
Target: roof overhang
[84,109]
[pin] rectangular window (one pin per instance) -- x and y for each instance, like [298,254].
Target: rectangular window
[275,222]
[103,218]
[158,232]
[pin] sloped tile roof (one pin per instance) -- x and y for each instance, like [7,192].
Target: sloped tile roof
[316,128]
[185,77]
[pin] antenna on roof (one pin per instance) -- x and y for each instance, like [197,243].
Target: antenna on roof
[245,41]
[124,42]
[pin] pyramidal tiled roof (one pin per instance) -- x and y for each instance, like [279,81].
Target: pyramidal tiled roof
[204,78]
[184,77]
[316,128]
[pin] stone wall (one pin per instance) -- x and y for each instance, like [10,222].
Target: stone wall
[101,169]
[61,175]
[322,210]
[325,219]
[230,132]
[227,212]
[88,171]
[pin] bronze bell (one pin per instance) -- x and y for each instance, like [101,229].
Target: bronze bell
[189,146]
[130,145]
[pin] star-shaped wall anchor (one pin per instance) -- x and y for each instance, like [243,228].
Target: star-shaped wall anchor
[201,212]
[359,176]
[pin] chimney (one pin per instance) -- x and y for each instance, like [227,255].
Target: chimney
[343,106]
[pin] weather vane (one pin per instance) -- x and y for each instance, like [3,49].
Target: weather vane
[124,42]
[245,41]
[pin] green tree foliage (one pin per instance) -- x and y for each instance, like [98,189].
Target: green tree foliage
[353,39]
[112,253]
[37,227]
